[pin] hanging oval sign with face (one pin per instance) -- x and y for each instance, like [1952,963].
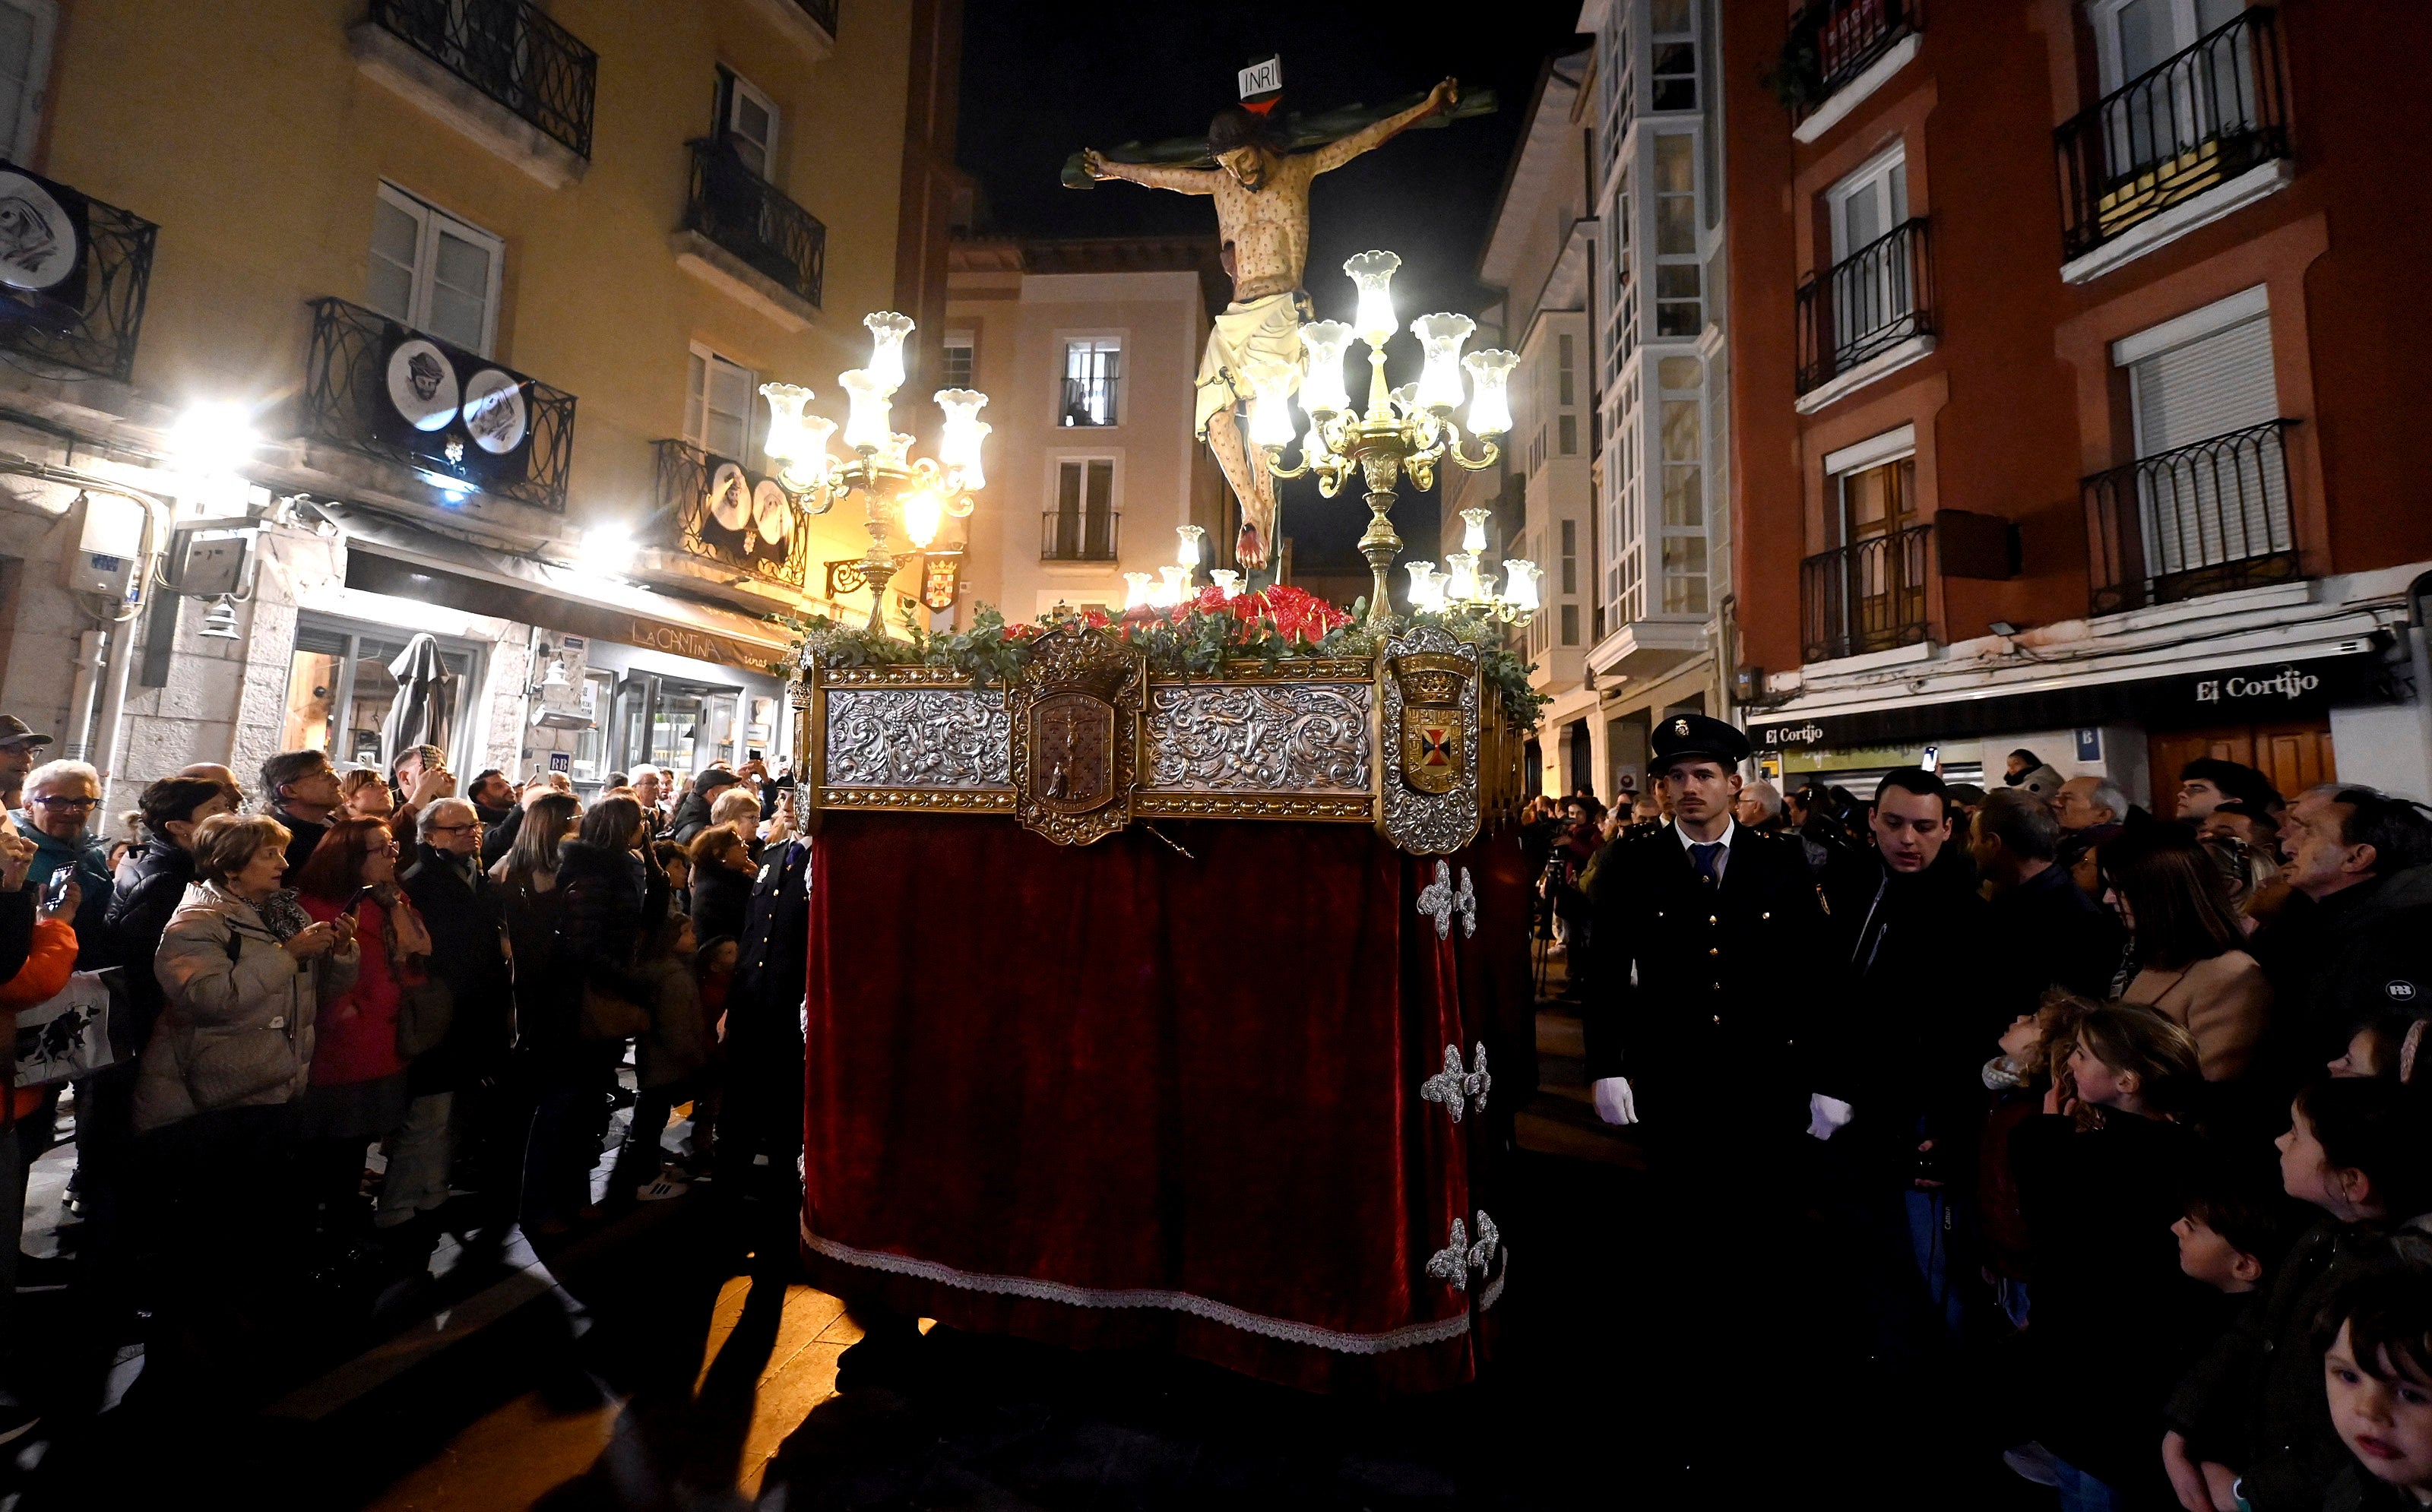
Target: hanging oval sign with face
[38,240]
[771,511]
[730,497]
[494,411]
[422,384]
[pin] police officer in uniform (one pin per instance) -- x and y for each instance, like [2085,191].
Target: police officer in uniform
[1699,1021]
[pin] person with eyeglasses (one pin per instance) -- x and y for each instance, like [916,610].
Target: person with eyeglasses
[468,1072]
[61,800]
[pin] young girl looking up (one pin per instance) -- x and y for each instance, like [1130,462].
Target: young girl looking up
[2115,1320]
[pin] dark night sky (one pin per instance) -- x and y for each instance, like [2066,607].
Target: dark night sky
[1040,81]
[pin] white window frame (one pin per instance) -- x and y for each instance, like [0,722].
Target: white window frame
[26,131]
[967,340]
[1865,178]
[739,89]
[2186,26]
[2194,325]
[699,434]
[1118,400]
[1056,461]
[430,220]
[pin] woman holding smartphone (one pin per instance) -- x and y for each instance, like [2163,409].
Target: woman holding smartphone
[358,1091]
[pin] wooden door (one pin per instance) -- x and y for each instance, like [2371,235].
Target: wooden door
[2295,754]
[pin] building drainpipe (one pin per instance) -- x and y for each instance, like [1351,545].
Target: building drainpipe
[112,749]
[81,695]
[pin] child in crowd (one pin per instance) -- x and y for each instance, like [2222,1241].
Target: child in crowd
[2359,1149]
[2017,1078]
[669,1057]
[2390,1046]
[2116,1321]
[2378,1375]
[2233,1237]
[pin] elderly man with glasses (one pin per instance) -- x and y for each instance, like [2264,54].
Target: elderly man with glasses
[468,1073]
[61,798]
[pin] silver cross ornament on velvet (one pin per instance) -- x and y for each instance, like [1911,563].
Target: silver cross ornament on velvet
[1455,1086]
[1437,902]
[1452,1264]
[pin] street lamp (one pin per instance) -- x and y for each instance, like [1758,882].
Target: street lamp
[1404,431]
[896,488]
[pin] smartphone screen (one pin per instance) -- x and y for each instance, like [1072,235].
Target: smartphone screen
[1932,761]
[54,892]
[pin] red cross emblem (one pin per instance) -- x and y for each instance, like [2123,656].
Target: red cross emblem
[1435,745]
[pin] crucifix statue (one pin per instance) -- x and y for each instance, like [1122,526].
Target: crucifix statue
[1261,192]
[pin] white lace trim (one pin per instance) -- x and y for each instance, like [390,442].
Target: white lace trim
[1410,1337]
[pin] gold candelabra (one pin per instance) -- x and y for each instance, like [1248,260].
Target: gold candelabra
[896,488]
[1403,433]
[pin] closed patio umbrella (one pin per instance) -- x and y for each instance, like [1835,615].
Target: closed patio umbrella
[424,713]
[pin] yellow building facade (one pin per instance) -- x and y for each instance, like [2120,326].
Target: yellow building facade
[492,286]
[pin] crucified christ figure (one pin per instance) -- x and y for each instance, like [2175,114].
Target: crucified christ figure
[1261,196]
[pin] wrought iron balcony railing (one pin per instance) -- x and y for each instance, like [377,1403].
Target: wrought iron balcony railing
[1868,595]
[1843,38]
[2191,122]
[711,508]
[2202,519]
[1091,535]
[95,331]
[1864,305]
[510,51]
[752,218]
[460,421]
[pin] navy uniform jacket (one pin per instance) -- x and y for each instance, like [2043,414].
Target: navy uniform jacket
[1705,997]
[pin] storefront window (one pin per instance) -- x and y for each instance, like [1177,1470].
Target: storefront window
[683,726]
[590,762]
[339,691]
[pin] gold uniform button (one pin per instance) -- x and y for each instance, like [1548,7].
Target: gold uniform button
[1713,951]
[1767,913]
[1712,919]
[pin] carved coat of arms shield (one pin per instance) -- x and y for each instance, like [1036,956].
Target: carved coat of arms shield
[1076,713]
[1435,726]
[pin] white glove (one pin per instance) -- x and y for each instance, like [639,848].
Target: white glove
[1826,1115]
[1614,1101]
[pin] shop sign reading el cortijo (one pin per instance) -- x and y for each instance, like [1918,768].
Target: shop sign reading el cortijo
[2267,690]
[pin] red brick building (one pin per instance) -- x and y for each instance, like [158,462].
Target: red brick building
[2079,361]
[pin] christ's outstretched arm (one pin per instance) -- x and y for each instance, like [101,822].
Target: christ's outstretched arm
[1181,180]
[1335,153]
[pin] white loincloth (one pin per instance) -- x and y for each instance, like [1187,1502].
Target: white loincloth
[1245,333]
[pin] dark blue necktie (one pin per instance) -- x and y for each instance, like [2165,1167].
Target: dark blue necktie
[1706,858]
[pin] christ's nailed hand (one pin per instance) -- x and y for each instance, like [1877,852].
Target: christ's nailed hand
[1093,164]
[1444,95]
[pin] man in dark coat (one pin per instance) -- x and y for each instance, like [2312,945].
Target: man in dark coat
[1900,1095]
[692,815]
[460,908]
[2044,932]
[2357,940]
[1701,1012]
[494,800]
[300,789]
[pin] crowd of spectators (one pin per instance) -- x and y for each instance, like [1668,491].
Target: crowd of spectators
[362,1015]
[2121,1125]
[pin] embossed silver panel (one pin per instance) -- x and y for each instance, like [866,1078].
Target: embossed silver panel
[919,737]
[1289,737]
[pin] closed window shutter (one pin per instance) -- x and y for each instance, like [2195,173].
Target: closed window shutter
[2217,504]
[2209,387]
